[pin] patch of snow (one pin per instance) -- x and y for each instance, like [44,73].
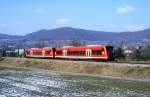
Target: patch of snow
[25,86]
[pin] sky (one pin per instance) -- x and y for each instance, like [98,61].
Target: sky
[20,17]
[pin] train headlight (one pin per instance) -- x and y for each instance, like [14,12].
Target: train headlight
[103,52]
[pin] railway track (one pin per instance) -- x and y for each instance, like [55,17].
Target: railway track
[97,61]
[134,62]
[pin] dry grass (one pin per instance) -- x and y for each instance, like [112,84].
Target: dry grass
[107,69]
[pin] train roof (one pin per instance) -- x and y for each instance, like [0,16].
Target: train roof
[66,47]
[85,45]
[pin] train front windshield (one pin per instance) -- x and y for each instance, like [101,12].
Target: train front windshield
[110,50]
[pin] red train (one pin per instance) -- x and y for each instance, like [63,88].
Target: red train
[98,52]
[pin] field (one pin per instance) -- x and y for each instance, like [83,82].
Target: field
[29,82]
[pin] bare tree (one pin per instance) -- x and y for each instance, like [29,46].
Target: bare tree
[1,53]
[145,53]
[121,44]
[119,52]
[57,43]
[40,44]
[77,42]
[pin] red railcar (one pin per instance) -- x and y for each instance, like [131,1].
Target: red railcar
[39,52]
[69,52]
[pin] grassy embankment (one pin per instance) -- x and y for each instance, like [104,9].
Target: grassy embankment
[97,68]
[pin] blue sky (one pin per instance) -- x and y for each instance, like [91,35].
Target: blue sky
[25,16]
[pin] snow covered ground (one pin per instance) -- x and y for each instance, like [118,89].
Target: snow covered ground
[21,82]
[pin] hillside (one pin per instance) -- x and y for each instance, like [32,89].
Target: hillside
[5,36]
[68,33]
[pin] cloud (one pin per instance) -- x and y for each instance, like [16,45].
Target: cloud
[39,10]
[63,21]
[134,27]
[112,25]
[125,9]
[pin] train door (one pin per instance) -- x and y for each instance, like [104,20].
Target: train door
[31,53]
[88,52]
[43,53]
[64,52]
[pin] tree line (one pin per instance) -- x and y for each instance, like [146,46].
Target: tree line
[133,54]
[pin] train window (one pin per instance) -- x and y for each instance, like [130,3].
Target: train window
[76,53]
[110,50]
[59,52]
[47,52]
[70,53]
[82,52]
[96,52]
[37,53]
